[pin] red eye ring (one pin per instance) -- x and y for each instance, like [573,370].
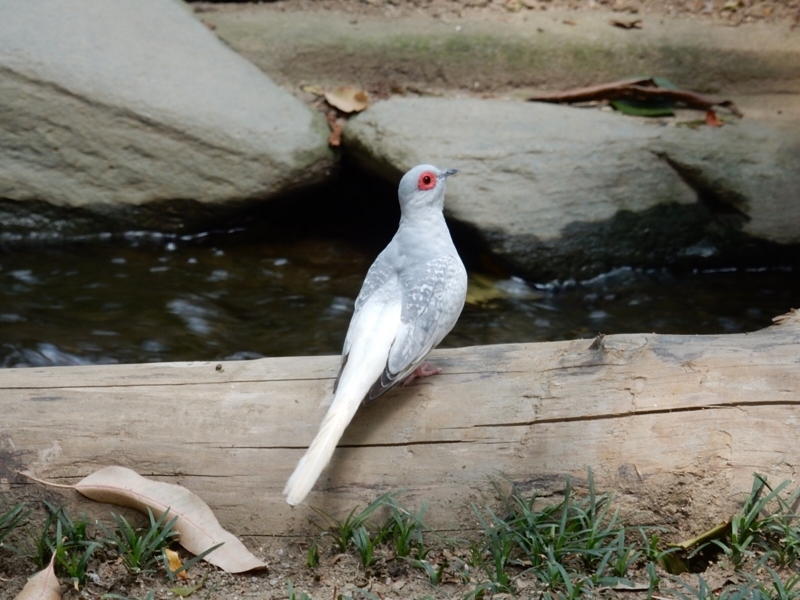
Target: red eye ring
[426,181]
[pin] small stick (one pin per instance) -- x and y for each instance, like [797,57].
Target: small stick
[636,89]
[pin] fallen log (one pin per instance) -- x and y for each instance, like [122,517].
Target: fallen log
[676,425]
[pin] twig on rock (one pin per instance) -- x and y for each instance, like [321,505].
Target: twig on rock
[639,90]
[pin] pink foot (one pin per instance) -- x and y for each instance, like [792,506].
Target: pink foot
[424,370]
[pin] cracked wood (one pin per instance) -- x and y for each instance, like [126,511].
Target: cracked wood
[644,411]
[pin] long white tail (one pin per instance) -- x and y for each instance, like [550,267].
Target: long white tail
[376,326]
[320,451]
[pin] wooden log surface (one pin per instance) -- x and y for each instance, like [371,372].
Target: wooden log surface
[676,425]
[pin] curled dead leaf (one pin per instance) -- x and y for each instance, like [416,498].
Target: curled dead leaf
[712,120]
[335,137]
[175,562]
[42,586]
[634,24]
[347,99]
[198,527]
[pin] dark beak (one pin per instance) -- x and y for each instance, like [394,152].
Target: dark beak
[446,174]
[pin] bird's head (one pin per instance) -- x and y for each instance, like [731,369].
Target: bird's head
[423,186]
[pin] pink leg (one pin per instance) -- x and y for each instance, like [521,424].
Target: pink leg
[424,370]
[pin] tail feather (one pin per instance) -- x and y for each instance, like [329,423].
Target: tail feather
[320,451]
[374,327]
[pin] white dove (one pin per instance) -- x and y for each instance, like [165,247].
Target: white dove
[410,300]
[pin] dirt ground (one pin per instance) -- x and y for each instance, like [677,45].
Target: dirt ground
[337,575]
[681,508]
[733,12]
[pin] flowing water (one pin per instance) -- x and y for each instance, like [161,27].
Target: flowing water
[231,295]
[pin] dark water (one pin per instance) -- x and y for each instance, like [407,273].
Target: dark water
[144,298]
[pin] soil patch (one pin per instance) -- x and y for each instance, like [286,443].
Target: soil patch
[732,13]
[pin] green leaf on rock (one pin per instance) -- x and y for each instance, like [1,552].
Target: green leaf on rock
[641,109]
[664,83]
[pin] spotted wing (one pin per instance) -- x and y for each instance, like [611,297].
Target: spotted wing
[433,296]
[378,275]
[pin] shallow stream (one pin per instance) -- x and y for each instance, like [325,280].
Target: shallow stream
[143,297]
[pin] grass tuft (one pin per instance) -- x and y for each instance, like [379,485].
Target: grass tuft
[14,518]
[140,549]
[343,531]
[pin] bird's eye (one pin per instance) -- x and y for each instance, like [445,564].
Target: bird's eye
[426,181]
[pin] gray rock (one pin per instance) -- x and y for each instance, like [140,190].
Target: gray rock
[558,191]
[106,105]
[752,168]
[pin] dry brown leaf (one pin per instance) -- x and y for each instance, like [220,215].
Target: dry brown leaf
[42,586]
[198,527]
[347,99]
[335,137]
[634,24]
[712,120]
[175,562]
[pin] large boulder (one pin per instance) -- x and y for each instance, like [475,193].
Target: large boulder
[752,169]
[116,107]
[557,191]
